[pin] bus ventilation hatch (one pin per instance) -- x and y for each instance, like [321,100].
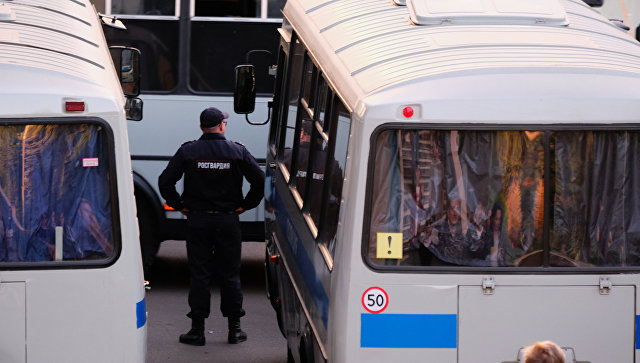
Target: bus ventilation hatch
[492,12]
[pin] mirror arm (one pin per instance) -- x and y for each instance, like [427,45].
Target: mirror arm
[246,57]
[269,106]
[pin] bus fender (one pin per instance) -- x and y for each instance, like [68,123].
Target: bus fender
[142,187]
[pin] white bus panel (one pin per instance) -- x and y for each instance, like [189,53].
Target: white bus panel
[71,282]
[451,181]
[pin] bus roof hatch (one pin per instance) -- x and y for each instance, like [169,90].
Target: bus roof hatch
[491,12]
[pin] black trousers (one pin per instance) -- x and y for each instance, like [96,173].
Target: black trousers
[214,246]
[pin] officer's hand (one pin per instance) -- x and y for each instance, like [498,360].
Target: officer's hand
[184,211]
[239,210]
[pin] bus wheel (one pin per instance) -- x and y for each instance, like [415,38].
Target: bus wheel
[272,289]
[290,358]
[149,242]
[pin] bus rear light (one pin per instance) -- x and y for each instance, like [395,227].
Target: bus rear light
[166,207]
[74,106]
[275,259]
[407,112]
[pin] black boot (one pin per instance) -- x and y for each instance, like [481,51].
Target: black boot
[195,336]
[236,335]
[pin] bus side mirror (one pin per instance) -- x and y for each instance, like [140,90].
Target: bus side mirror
[126,61]
[244,95]
[133,108]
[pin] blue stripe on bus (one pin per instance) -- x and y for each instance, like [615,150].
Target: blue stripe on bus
[408,330]
[637,333]
[304,263]
[141,312]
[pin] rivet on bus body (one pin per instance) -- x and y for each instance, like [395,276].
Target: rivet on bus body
[407,112]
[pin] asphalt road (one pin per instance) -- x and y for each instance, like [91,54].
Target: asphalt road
[167,306]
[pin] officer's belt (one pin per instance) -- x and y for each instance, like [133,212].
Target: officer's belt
[212,212]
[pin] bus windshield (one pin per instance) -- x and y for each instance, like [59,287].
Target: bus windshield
[522,198]
[55,193]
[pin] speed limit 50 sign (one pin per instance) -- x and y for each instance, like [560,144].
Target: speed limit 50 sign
[375,300]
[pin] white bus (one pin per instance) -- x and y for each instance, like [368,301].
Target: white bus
[71,282]
[453,180]
[189,49]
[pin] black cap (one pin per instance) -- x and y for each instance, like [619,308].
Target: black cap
[212,117]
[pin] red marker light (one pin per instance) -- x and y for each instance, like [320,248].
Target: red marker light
[166,207]
[70,106]
[407,112]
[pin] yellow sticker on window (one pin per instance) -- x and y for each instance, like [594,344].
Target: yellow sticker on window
[389,245]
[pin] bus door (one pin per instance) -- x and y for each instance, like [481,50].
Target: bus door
[13,318]
[518,315]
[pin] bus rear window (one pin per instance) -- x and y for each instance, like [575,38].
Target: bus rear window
[481,198]
[55,195]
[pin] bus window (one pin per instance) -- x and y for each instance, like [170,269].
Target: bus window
[141,7]
[476,198]
[320,107]
[311,145]
[238,8]
[312,156]
[293,93]
[318,158]
[55,194]
[274,9]
[277,95]
[595,204]
[213,58]
[310,76]
[158,44]
[341,119]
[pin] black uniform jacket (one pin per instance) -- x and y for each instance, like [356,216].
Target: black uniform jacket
[213,169]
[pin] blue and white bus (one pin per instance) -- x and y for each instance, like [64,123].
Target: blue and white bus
[71,279]
[450,181]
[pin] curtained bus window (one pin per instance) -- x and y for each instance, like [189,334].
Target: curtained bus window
[55,194]
[477,198]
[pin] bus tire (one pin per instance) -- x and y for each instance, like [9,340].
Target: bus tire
[272,289]
[290,358]
[149,241]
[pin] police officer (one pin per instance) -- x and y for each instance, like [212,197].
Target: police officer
[213,169]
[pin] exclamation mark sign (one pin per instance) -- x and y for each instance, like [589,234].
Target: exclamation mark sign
[389,245]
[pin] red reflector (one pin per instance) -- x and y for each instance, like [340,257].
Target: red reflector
[407,112]
[74,106]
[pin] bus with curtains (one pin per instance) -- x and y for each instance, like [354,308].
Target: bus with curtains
[189,49]
[451,181]
[71,282]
